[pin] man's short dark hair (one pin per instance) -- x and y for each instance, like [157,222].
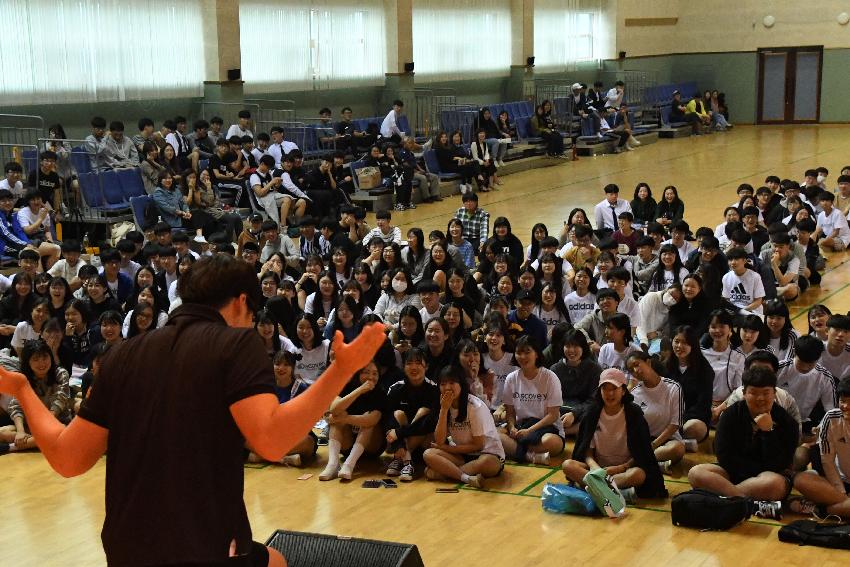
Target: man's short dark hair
[607,292]
[161,227]
[398,102]
[269,225]
[180,237]
[759,377]
[13,166]
[646,241]
[346,109]
[763,191]
[32,195]
[325,110]
[582,230]
[214,281]
[744,187]
[736,254]
[169,124]
[167,251]
[806,225]
[126,246]
[28,254]
[135,237]
[116,126]
[216,120]
[427,286]
[826,196]
[98,122]
[772,179]
[654,227]
[619,273]
[611,188]
[762,356]
[470,196]
[268,161]
[710,242]
[247,139]
[626,215]
[619,84]
[703,231]
[145,123]
[180,120]
[780,238]
[810,173]
[244,114]
[276,130]
[839,322]
[680,226]
[262,136]
[200,124]
[549,242]
[71,245]
[48,154]
[235,140]
[808,348]
[384,214]
[222,142]
[110,255]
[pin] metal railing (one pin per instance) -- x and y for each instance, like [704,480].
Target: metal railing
[229,112]
[636,84]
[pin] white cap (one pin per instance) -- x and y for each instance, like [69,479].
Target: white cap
[576,86]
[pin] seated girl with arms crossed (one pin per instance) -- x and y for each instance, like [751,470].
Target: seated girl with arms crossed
[354,419]
[614,435]
[661,401]
[284,376]
[411,411]
[466,444]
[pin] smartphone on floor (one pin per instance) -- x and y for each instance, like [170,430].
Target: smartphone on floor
[389,483]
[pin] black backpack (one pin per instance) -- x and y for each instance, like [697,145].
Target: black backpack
[706,510]
[809,532]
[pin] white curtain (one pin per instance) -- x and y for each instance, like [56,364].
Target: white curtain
[458,40]
[72,51]
[300,45]
[567,32]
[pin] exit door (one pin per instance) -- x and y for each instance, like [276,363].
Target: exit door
[789,85]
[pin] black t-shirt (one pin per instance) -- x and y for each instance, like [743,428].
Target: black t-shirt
[47,183]
[220,164]
[174,472]
[373,400]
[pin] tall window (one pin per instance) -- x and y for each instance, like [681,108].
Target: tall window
[72,51]
[302,45]
[458,40]
[567,32]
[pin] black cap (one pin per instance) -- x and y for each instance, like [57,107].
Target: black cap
[525,295]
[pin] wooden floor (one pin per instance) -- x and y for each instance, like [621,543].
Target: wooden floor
[50,521]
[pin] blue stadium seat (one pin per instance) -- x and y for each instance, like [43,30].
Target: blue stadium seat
[90,190]
[112,193]
[404,125]
[203,164]
[433,166]
[80,160]
[130,181]
[138,206]
[30,158]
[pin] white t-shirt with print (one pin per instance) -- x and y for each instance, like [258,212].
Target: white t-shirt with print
[533,398]
[579,306]
[610,442]
[743,290]
[661,405]
[501,368]
[479,423]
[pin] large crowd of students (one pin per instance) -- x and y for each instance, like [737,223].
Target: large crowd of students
[626,329]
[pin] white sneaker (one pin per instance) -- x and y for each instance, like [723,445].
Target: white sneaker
[634,141]
[476,481]
[501,163]
[540,458]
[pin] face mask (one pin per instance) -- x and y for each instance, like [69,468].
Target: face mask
[668,299]
[821,178]
[399,286]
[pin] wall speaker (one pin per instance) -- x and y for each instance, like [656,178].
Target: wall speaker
[622,55]
[234,74]
[408,67]
[303,549]
[529,61]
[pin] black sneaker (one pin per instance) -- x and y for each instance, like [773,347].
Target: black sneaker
[768,509]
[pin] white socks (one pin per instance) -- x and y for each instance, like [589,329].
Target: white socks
[464,478]
[334,447]
[356,451]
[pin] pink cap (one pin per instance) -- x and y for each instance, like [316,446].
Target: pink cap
[612,376]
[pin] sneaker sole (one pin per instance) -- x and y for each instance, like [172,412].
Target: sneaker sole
[405,478]
[393,472]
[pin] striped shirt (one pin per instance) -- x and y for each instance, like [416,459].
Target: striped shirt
[834,444]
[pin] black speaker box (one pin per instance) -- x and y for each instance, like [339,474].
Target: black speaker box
[408,67]
[303,549]
[529,61]
[234,74]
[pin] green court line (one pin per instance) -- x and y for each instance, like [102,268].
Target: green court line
[821,300]
[525,490]
[487,491]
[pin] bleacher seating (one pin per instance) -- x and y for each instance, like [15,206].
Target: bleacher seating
[130,182]
[138,205]
[433,166]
